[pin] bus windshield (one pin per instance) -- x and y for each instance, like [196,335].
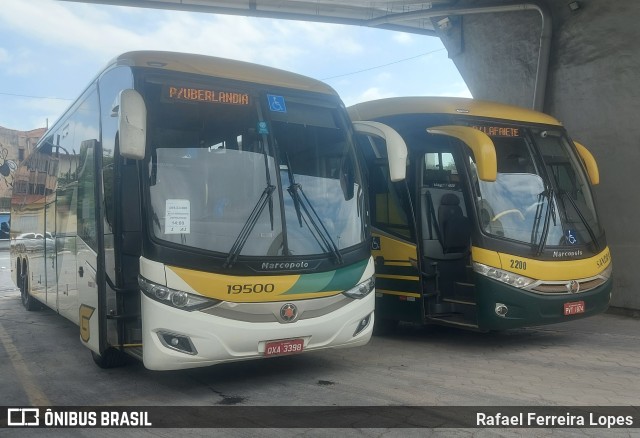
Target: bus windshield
[265,175]
[541,198]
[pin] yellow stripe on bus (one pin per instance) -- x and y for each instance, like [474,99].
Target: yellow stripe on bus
[398,277]
[239,289]
[547,270]
[388,263]
[394,250]
[400,294]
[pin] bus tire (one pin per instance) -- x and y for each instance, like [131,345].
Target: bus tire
[111,358]
[28,301]
[384,326]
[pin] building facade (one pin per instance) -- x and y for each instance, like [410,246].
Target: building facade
[15,146]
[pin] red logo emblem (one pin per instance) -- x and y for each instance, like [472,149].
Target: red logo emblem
[289,312]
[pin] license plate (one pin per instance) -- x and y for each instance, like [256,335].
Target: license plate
[573,308]
[287,346]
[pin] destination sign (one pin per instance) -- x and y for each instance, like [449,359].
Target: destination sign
[499,131]
[191,94]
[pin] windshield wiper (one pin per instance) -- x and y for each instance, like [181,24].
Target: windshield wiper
[537,217]
[551,196]
[328,243]
[302,204]
[564,194]
[251,222]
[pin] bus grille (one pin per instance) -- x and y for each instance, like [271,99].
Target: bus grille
[561,287]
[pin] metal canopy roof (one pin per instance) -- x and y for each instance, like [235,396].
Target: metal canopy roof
[426,18]
[399,15]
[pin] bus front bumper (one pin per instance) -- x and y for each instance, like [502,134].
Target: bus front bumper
[525,309]
[202,339]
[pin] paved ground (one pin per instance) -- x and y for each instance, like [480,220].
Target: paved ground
[591,362]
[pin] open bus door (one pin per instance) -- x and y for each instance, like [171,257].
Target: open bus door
[444,221]
[420,266]
[92,278]
[90,260]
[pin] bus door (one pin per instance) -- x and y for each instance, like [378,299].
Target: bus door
[87,247]
[394,248]
[65,243]
[445,238]
[123,295]
[50,255]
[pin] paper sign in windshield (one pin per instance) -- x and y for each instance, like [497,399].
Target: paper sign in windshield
[177,217]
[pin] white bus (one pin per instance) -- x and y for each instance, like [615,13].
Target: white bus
[198,210]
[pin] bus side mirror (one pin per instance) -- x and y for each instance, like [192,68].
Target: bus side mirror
[396,147]
[132,124]
[590,163]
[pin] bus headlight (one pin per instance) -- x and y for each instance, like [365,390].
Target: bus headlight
[510,278]
[361,290]
[175,298]
[607,272]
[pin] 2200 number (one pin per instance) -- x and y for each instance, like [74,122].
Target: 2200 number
[250,288]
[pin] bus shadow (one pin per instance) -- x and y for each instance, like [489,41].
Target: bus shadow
[246,375]
[534,337]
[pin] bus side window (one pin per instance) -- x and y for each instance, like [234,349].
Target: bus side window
[84,127]
[388,212]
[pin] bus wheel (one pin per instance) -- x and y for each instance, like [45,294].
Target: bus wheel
[28,301]
[383,326]
[111,358]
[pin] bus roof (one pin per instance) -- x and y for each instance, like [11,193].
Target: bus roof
[446,105]
[222,68]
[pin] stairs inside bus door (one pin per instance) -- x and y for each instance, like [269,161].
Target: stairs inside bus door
[455,303]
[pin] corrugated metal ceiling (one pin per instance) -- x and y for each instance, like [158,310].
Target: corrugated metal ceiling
[400,15]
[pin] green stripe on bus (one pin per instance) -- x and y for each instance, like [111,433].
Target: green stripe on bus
[340,279]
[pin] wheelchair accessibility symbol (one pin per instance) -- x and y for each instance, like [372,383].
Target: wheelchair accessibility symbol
[276,103]
[375,244]
[571,238]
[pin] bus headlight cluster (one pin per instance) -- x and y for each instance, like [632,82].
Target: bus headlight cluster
[361,290]
[519,281]
[607,272]
[175,298]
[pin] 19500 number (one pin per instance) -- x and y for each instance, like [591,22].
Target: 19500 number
[250,288]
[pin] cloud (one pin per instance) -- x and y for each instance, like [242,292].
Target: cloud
[333,38]
[63,44]
[56,24]
[27,113]
[402,37]
[458,89]
[102,32]
[384,76]
[371,93]
[19,62]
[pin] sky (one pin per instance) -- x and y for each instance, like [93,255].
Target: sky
[50,50]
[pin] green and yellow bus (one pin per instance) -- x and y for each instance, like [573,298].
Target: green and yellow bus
[189,210]
[493,224]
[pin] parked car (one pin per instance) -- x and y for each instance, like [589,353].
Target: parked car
[34,241]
